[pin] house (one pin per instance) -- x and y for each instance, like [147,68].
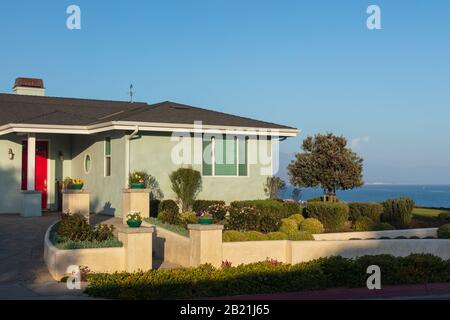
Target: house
[45,139]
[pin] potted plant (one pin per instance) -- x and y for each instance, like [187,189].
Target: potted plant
[138,180]
[134,219]
[73,184]
[204,217]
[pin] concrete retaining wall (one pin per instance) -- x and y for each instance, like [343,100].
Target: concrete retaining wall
[170,246]
[421,233]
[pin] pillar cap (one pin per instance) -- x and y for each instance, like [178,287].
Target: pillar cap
[202,227]
[129,230]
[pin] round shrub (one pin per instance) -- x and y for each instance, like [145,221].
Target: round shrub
[288,226]
[332,215]
[277,236]
[311,225]
[363,224]
[444,231]
[233,235]
[300,236]
[382,226]
[371,210]
[297,217]
[170,217]
[254,236]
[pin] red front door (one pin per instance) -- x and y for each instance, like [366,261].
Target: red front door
[41,169]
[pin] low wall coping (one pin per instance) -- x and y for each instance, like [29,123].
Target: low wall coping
[70,191]
[30,191]
[129,230]
[205,227]
[136,190]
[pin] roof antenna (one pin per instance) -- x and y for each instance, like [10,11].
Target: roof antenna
[131,93]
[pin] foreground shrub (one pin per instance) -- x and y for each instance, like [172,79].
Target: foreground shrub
[398,211]
[205,204]
[254,236]
[267,277]
[311,225]
[371,210]
[74,227]
[277,236]
[363,224]
[382,226]
[186,183]
[444,231]
[288,226]
[300,236]
[332,215]
[169,217]
[297,217]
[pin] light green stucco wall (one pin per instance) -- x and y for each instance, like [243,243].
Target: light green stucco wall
[152,152]
[106,192]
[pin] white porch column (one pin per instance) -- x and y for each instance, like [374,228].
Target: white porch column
[31,161]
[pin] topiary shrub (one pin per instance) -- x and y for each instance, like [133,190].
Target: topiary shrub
[382,226]
[444,216]
[300,236]
[205,204]
[297,217]
[233,235]
[398,211]
[169,217]
[311,225]
[277,236]
[169,205]
[254,236]
[332,215]
[186,183]
[371,210]
[288,226]
[363,224]
[444,231]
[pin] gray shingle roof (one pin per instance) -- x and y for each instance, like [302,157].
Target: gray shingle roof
[69,111]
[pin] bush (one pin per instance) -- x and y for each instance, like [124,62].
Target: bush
[291,208]
[254,236]
[444,216]
[300,236]
[320,199]
[288,226]
[169,217]
[218,211]
[332,215]
[297,217]
[444,231]
[186,218]
[398,211]
[169,205]
[232,235]
[74,227]
[382,226]
[311,225]
[186,183]
[277,236]
[371,210]
[205,204]
[363,224]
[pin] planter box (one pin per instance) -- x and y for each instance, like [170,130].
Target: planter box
[137,200]
[76,201]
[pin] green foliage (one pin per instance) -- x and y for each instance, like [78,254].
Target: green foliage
[326,161]
[371,210]
[321,199]
[382,226]
[288,226]
[169,217]
[171,227]
[186,183]
[232,236]
[273,186]
[74,227]
[169,205]
[332,215]
[254,236]
[444,231]
[444,216]
[218,211]
[398,211]
[277,236]
[149,182]
[363,224]
[186,218]
[266,277]
[205,204]
[312,225]
[297,217]
[300,236]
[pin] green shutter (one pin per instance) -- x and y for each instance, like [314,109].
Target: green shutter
[207,158]
[243,156]
[225,157]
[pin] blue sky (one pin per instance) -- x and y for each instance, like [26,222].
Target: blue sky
[309,64]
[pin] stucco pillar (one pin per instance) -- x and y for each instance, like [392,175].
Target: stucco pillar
[138,248]
[76,201]
[31,161]
[137,200]
[205,244]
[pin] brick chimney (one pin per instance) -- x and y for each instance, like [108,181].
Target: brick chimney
[29,86]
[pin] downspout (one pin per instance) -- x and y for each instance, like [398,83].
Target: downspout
[127,154]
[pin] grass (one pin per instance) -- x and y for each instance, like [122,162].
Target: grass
[428,212]
[171,227]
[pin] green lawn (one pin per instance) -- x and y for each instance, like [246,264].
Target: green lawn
[428,213]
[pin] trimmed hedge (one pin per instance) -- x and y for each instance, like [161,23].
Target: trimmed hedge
[266,277]
[312,225]
[277,236]
[363,224]
[332,215]
[232,236]
[169,217]
[297,217]
[444,231]
[371,210]
[204,204]
[383,226]
[300,236]
[398,211]
[288,226]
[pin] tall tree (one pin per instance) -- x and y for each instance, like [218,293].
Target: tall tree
[326,161]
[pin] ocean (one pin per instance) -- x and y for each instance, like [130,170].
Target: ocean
[424,195]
